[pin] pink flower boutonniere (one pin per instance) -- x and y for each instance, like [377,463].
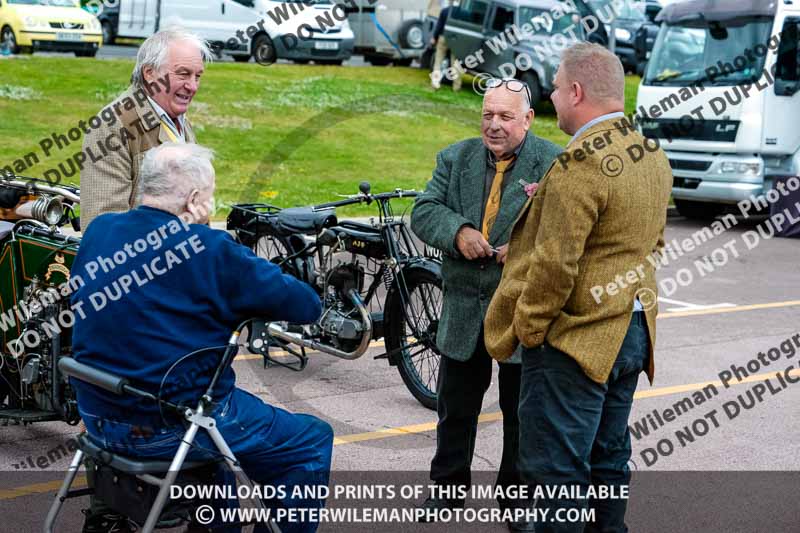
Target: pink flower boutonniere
[530,188]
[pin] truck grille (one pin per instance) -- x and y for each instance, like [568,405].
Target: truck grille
[696,166]
[697,130]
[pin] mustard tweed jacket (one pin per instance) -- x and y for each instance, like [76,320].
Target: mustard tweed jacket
[599,218]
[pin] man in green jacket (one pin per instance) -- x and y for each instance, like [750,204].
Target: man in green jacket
[467,211]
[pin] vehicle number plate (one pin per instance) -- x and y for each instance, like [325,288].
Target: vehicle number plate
[64,36]
[326,45]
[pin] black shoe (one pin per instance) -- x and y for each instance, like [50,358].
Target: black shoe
[107,523]
[432,506]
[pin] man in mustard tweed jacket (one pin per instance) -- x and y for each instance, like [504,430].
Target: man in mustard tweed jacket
[579,291]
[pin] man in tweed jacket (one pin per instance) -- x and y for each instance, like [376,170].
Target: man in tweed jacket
[579,292]
[152,111]
[450,216]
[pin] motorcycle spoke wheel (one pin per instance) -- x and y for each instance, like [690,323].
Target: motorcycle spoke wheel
[415,320]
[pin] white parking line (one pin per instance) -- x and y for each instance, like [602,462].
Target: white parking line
[686,306]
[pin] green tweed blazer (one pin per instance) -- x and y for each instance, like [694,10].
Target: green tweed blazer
[454,198]
[594,221]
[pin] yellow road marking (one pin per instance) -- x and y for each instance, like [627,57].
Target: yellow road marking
[39,488]
[736,309]
[494,416]
[80,481]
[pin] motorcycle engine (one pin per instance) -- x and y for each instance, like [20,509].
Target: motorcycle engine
[340,321]
[29,376]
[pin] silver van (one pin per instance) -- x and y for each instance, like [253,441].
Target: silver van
[388,31]
[513,38]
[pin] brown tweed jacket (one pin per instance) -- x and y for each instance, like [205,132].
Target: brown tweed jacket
[109,184]
[598,219]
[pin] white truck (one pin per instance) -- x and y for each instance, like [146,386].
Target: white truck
[721,93]
[301,30]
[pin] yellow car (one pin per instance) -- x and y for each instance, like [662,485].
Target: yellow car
[48,25]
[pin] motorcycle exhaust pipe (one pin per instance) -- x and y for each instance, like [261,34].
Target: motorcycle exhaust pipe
[275,330]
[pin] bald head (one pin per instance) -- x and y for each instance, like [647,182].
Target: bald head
[590,82]
[506,119]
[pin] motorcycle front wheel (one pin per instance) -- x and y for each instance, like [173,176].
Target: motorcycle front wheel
[411,333]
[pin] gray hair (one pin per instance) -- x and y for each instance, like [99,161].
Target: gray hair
[171,171]
[599,72]
[155,50]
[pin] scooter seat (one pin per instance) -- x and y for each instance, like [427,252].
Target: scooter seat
[132,465]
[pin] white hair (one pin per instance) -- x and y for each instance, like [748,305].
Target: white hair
[155,50]
[171,171]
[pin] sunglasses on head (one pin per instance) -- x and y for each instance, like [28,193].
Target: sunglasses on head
[513,85]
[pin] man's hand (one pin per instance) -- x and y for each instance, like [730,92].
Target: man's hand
[471,244]
[502,253]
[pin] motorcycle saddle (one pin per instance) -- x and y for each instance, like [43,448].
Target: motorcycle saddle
[305,220]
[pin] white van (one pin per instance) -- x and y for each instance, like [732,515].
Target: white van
[722,94]
[302,30]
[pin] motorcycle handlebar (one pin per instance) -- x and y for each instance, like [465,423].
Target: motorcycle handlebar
[33,187]
[367,198]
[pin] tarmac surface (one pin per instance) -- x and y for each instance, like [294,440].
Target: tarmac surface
[746,305]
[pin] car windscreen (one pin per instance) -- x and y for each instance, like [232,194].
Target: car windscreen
[617,9]
[544,23]
[683,52]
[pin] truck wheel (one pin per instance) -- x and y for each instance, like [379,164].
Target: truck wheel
[698,210]
[532,80]
[264,52]
[9,40]
[412,35]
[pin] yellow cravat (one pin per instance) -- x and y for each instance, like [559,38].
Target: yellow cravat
[170,134]
[493,202]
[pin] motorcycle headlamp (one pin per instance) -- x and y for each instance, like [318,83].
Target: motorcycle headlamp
[43,209]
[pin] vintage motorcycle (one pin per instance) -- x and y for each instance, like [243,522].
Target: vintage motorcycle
[371,277]
[35,258]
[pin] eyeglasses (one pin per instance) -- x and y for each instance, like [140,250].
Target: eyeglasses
[513,85]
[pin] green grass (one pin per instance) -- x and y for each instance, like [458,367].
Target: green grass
[285,134]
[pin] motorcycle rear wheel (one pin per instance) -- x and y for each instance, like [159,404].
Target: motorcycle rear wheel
[412,333]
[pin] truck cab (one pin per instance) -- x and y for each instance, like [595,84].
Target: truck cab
[721,93]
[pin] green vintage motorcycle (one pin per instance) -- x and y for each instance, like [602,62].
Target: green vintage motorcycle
[36,323]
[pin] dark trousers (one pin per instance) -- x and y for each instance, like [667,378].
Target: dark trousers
[274,447]
[462,385]
[575,431]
